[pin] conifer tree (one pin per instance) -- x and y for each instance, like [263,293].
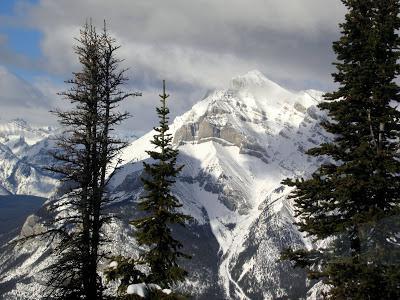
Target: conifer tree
[155,228]
[85,152]
[354,200]
[161,207]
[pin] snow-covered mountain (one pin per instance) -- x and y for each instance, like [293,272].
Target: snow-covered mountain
[24,151]
[237,145]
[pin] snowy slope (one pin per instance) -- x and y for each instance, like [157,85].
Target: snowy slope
[237,145]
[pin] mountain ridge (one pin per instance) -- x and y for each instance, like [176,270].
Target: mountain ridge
[237,145]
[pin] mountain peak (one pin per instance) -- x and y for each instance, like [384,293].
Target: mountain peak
[253,78]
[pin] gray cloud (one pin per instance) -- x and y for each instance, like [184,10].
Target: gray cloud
[197,45]
[188,37]
[21,99]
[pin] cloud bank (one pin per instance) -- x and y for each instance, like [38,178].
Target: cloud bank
[196,45]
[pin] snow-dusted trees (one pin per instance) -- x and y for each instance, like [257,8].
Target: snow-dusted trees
[354,202]
[85,153]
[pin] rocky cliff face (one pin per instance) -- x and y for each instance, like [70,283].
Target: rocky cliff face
[237,145]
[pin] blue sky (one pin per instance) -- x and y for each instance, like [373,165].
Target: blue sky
[196,46]
[21,39]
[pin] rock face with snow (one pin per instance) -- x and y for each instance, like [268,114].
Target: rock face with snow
[237,145]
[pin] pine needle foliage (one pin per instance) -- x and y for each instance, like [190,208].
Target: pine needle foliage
[354,200]
[160,206]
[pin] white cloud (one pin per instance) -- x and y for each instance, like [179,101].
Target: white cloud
[186,64]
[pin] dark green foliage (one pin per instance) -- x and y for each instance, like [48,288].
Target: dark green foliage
[354,200]
[160,206]
[85,152]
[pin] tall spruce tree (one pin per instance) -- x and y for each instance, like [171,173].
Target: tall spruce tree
[354,200]
[160,207]
[85,153]
[155,228]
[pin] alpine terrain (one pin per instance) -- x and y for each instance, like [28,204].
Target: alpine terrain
[237,145]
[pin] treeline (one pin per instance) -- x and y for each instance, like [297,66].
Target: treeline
[350,204]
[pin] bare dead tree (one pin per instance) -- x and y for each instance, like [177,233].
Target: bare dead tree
[85,154]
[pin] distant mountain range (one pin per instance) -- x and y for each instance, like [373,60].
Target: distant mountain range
[237,145]
[24,151]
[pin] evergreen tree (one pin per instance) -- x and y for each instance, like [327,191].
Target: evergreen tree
[160,206]
[154,229]
[354,201]
[85,152]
